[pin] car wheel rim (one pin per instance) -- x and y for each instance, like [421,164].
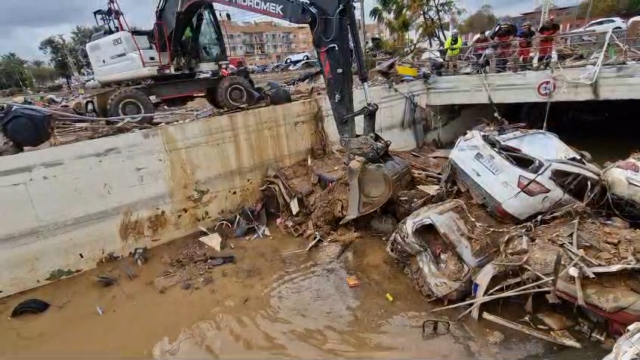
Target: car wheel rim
[237,95]
[131,107]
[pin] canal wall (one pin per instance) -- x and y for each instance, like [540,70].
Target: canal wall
[67,208]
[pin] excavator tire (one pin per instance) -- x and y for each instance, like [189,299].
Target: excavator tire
[212,97]
[131,101]
[234,92]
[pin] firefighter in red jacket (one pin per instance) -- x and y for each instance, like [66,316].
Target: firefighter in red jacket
[480,45]
[503,36]
[525,43]
[547,33]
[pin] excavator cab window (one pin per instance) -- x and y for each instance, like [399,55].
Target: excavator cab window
[208,39]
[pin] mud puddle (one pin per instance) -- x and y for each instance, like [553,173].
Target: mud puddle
[275,301]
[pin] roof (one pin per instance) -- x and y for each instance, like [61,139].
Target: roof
[553,8]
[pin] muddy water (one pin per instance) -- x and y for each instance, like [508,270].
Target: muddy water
[274,302]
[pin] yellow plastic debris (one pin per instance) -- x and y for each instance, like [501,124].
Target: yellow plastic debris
[406,71]
[389,297]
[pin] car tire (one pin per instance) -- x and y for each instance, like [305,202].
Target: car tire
[287,61]
[617,28]
[124,101]
[306,57]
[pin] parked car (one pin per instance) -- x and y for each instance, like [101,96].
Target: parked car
[434,244]
[522,173]
[297,57]
[306,64]
[261,68]
[604,25]
[622,180]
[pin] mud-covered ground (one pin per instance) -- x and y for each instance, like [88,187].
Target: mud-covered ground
[274,301]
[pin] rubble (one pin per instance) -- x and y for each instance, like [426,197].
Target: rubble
[455,246]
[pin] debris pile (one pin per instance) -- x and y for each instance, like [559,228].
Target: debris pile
[549,240]
[508,217]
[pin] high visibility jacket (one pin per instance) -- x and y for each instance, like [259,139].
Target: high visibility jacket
[453,49]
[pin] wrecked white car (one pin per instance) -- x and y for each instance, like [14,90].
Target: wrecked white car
[522,173]
[628,345]
[622,179]
[434,246]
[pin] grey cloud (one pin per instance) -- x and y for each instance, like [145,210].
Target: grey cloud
[24,23]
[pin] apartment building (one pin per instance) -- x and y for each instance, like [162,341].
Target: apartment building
[265,42]
[567,17]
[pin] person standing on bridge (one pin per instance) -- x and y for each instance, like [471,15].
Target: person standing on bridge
[480,46]
[547,33]
[503,36]
[525,43]
[453,45]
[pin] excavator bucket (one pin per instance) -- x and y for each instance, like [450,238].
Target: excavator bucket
[372,185]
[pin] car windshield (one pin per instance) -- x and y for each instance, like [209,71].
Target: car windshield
[514,155]
[542,145]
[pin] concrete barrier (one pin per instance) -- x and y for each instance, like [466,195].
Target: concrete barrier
[392,124]
[67,208]
[614,83]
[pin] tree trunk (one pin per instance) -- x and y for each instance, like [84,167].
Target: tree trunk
[439,16]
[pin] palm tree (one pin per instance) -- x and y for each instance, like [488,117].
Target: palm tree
[395,16]
[37,63]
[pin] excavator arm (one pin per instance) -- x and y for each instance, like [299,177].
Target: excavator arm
[333,27]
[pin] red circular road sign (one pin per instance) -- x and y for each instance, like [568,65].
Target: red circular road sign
[546,88]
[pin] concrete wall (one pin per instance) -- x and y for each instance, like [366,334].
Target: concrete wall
[391,123]
[65,208]
[614,83]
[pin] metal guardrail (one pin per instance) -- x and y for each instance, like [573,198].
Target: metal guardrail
[574,49]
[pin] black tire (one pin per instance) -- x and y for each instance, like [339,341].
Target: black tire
[212,97]
[233,93]
[279,96]
[287,61]
[130,101]
[31,306]
[617,28]
[306,57]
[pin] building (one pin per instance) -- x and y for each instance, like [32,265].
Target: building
[265,42]
[566,16]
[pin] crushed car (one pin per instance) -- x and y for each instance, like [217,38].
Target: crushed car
[522,173]
[628,345]
[622,180]
[439,246]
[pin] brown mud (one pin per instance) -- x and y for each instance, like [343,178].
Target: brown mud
[276,300]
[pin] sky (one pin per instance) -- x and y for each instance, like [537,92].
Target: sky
[24,23]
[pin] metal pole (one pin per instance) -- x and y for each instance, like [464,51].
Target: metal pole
[589,12]
[364,27]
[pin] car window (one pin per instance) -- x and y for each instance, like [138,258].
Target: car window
[595,23]
[541,145]
[608,22]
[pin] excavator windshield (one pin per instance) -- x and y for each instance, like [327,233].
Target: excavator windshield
[209,38]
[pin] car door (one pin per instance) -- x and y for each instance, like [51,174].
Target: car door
[594,25]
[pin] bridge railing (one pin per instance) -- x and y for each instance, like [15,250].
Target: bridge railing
[574,49]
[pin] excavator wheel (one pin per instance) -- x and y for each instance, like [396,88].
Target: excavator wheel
[372,185]
[234,92]
[212,97]
[131,101]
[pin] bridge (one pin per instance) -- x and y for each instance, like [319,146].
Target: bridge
[586,66]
